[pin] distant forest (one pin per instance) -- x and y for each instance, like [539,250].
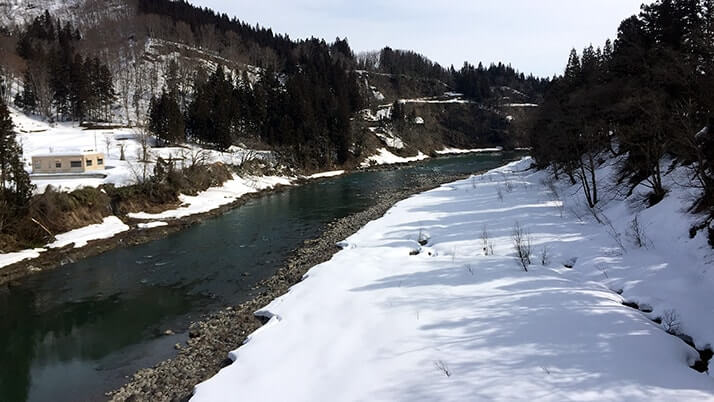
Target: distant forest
[645,99]
[475,83]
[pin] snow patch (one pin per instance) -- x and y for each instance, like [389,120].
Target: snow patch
[384,157]
[388,138]
[377,95]
[13,258]
[521,105]
[151,225]
[327,174]
[110,227]
[455,151]
[216,197]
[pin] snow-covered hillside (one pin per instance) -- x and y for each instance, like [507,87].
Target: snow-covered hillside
[80,12]
[430,303]
[19,12]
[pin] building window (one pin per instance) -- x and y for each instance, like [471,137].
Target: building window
[100,161]
[58,164]
[89,162]
[75,164]
[37,164]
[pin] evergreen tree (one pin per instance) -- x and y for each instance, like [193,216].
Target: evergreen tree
[4,89]
[573,71]
[27,100]
[397,112]
[165,119]
[59,81]
[644,97]
[79,89]
[210,115]
[15,185]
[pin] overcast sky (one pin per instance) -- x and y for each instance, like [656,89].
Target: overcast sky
[534,36]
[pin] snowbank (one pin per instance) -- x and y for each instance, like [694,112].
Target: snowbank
[521,105]
[455,151]
[216,197]
[151,225]
[462,321]
[327,174]
[388,138]
[110,227]
[12,258]
[384,157]
[436,101]
[377,95]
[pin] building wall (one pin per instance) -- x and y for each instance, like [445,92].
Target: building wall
[64,163]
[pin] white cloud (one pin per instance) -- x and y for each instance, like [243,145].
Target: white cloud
[534,36]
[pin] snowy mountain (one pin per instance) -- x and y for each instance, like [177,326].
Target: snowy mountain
[14,13]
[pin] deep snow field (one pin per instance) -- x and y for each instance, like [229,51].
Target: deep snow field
[379,323]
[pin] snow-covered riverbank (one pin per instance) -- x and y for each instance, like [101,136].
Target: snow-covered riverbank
[459,319]
[216,197]
[204,202]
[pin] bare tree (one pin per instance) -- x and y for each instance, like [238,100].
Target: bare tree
[125,81]
[443,367]
[246,156]
[39,80]
[671,322]
[637,233]
[194,157]
[140,95]
[589,145]
[486,242]
[143,153]
[693,142]
[522,245]
[647,140]
[545,256]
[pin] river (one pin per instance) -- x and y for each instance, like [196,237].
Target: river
[76,332]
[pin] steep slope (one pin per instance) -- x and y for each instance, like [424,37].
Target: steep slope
[433,117]
[84,13]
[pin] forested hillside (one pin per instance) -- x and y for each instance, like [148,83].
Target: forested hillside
[150,62]
[645,98]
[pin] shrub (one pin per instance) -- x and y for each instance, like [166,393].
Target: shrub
[485,242]
[522,244]
[544,256]
[637,233]
[671,322]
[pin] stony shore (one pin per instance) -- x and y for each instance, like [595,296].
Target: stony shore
[210,340]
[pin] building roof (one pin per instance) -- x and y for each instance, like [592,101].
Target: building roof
[67,153]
